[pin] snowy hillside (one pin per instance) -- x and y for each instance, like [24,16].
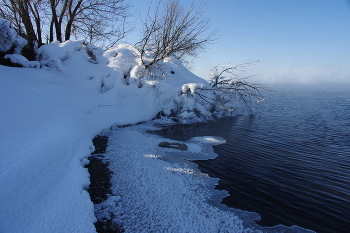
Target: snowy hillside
[49,116]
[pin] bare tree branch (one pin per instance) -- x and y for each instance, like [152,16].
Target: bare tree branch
[229,85]
[174,32]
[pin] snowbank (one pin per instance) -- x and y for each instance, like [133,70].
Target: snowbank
[48,119]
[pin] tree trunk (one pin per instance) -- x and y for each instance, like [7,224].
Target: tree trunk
[24,13]
[38,29]
[36,15]
[72,15]
[51,30]
[68,30]
[55,21]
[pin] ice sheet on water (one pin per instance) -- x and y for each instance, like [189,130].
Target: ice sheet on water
[161,190]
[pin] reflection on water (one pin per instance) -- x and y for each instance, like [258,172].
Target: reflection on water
[290,163]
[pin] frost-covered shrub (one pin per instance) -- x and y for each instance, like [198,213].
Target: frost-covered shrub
[227,93]
[231,89]
[9,38]
[182,102]
[192,105]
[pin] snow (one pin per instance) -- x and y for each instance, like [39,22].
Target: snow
[48,119]
[49,116]
[21,60]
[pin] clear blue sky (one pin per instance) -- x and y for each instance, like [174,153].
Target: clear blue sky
[295,40]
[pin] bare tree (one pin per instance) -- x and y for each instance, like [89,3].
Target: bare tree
[94,19]
[20,13]
[107,26]
[36,7]
[229,84]
[174,32]
[58,11]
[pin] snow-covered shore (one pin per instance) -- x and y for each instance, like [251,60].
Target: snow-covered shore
[48,119]
[50,115]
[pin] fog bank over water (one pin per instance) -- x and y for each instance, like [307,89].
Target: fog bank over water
[315,87]
[288,74]
[302,75]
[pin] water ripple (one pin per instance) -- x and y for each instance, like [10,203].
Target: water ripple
[290,164]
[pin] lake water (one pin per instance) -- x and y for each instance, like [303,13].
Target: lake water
[290,162]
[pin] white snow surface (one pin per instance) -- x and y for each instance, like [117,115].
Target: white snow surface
[49,116]
[21,60]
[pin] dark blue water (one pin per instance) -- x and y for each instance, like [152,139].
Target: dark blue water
[291,162]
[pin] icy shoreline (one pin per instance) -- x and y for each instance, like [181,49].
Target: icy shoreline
[158,189]
[157,194]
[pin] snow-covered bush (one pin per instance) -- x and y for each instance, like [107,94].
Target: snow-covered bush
[9,38]
[227,93]
[168,86]
[178,92]
[192,106]
[22,61]
[230,90]
[56,53]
